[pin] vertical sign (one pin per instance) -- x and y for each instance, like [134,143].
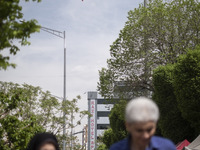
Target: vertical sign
[92,124]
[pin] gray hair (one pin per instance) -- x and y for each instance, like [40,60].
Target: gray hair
[141,109]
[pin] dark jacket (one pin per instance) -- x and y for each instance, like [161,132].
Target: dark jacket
[156,143]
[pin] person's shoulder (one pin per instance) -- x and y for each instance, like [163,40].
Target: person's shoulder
[121,145]
[164,143]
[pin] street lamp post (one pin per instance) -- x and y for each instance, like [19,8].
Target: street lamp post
[83,131]
[61,35]
[145,3]
[146,57]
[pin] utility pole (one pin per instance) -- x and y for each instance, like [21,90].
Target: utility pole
[83,139]
[145,3]
[71,147]
[82,132]
[61,35]
[146,69]
[64,95]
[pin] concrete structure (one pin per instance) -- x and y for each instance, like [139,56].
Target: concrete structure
[99,121]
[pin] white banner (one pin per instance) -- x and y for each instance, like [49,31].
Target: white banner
[92,122]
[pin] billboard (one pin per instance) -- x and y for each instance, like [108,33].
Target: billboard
[92,125]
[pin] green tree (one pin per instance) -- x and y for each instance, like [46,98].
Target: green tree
[13,29]
[117,121]
[102,147]
[171,122]
[108,138]
[117,130]
[26,110]
[15,131]
[73,116]
[187,86]
[152,36]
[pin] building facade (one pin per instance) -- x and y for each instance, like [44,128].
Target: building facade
[100,109]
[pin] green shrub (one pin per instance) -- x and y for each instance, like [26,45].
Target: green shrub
[187,86]
[171,122]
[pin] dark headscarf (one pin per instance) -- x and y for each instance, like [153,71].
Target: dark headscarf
[42,138]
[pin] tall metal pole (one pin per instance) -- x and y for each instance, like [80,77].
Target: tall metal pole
[146,56]
[145,3]
[83,139]
[61,35]
[83,132]
[64,95]
[71,147]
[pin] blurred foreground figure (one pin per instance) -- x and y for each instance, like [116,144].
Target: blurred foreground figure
[43,141]
[142,115]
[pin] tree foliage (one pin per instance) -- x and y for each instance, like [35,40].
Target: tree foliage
[117,130]
[108,138]
[176,92]
[156,36]
[171,122]
[102,147]
[26,110]
[187,86]
[117,121]
[13,29]
[152,36]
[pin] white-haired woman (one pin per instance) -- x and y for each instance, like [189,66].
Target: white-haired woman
[141,116]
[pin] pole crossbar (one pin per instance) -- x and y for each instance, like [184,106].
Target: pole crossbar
[79,132]
[54,32]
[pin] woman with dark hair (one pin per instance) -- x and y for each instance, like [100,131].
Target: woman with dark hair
[43,141]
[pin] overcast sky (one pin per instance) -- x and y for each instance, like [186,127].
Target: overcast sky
[91,27]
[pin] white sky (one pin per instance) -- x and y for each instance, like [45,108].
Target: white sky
[91,27]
